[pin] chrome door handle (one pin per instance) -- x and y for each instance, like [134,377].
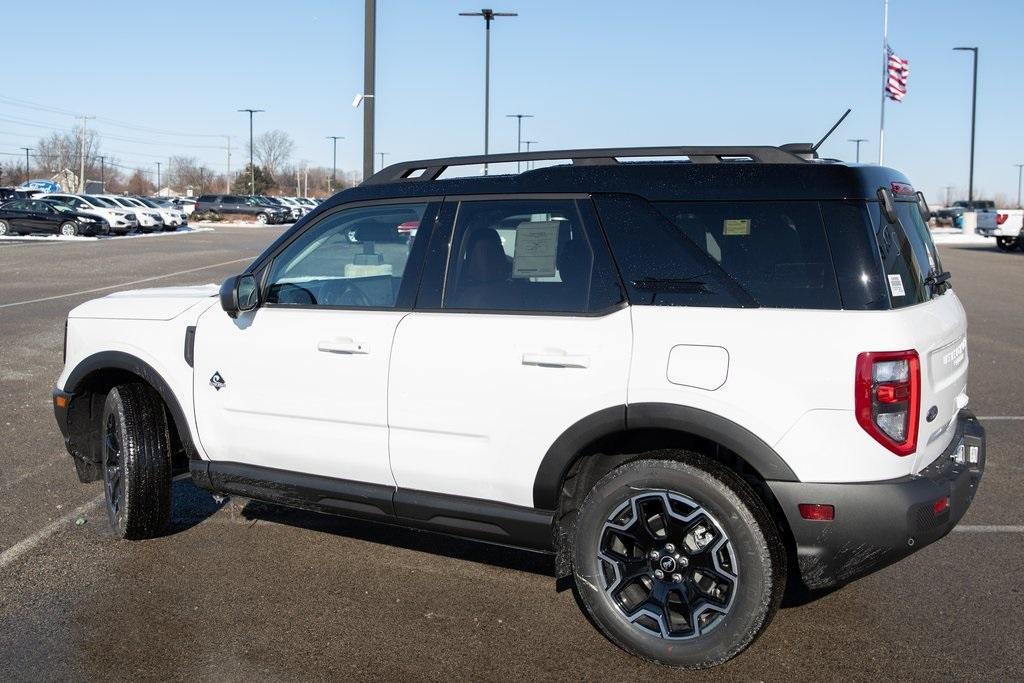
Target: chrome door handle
[342,345]
[556,359]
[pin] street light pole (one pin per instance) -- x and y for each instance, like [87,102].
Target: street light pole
[381,155]
[157,178]
[369,98]
[519,134]
[252,168]
[974,109]
[488,15]
[857,141]
[529,164]
[947,188]
[334,167]
[27,150]
[1020,167]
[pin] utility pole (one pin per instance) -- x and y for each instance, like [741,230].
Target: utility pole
[974,109]
[103,175]
[857,141]
[381,155]
[529,164]
[252,168]
[488,15]
[227,183]
[157,178]
[81,164]
[27,150]
[519,131]
[1020,167]
[369,98]
[305,182]
[334,166]
[947,188]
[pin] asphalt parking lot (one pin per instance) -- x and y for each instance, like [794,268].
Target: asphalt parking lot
[248,591]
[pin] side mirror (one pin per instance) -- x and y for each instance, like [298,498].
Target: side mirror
[238,294]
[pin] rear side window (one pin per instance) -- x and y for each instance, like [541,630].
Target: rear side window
[776,251]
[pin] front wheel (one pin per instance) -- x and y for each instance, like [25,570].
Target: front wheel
[1007,243]
[69,229]
[676,560]
[5,228]
[262,218]
[136,461]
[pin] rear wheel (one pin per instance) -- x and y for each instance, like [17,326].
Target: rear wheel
[69,229]
[5,228]
[1007,243]
[136,461]
[262,218]
[677,561]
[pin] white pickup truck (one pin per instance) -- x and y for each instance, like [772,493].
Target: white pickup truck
[1005,226]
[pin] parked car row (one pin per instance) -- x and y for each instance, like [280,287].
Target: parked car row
[265,210]
[89,214]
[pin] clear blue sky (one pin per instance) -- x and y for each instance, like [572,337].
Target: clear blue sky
[595,73]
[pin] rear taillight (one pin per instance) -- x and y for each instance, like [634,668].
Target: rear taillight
[888,398]
[1001,218]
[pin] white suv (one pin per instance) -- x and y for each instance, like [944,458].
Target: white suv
[687,380]
[149,219]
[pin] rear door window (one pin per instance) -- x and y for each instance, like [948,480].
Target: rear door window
[904,265]
[776,251]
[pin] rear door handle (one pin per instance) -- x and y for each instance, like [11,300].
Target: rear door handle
[556,359]
[343,345]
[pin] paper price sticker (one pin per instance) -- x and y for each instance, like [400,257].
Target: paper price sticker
[896,285]
[736,226]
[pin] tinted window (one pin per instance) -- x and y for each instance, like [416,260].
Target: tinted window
[862,284]
[527,255]
[776,251]
[17,205]
[353,258]
[904,270]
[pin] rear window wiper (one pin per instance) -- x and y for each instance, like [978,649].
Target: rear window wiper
[694,284]
[938,280]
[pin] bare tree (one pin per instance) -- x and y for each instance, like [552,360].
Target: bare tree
[62,151]
[138,183]
[273,149]
[186,172]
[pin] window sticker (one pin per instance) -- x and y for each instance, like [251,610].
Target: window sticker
[536,249]
[736,226]
[896,285]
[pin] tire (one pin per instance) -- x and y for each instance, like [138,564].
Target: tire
[69,229]
[262,218]
[5,228]
[1007,243]
[729,533]
[136,461]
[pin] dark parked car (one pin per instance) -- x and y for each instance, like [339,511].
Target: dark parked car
[218,205]
[25,216]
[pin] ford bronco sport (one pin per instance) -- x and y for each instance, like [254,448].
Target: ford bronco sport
[688,379]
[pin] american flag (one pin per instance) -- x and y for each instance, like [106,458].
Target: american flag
[897,71]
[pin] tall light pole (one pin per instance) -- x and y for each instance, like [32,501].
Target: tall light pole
[1020,167]
[488,15]
[529,164]
[227,182]
[334,167]
[252,168]
[947,188]
[857,141]
[81,167]
[974,109]
[519,131]
[381,155]
[369,97]
[27,150]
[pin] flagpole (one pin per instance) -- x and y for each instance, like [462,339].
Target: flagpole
[885,67]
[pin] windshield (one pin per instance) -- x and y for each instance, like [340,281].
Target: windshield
[147,202]
[96,201]
[122,202]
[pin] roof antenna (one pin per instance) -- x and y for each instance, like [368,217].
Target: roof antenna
[831,130]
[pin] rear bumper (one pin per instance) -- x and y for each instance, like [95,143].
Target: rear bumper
[878,523]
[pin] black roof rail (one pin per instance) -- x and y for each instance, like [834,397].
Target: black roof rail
[430,169]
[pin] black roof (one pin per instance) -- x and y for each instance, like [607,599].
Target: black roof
[711,173]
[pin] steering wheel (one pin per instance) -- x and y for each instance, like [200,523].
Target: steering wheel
[350,295]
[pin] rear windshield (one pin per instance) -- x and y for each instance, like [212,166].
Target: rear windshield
[907,252]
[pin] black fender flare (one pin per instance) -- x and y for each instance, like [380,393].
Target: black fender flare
[119,360]
[564,451]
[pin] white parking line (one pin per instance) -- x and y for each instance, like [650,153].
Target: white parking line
[992,529]
[27,544]
[1001,417]
[126,284]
